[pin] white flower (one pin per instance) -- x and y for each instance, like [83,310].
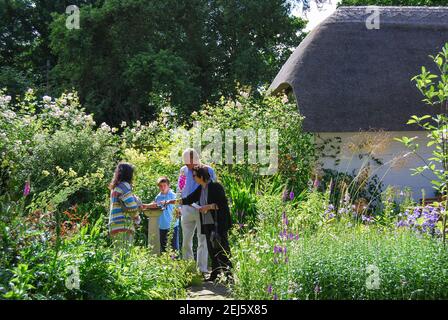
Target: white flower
[244,94]
[168,110]
[105,127]
[46,99]
[63,101]
[9,114]
[138,124]
[285,99]
[7,99]
[123,124]
[89,119]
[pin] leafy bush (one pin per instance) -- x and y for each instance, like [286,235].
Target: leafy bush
[247,111]
[104,272]
[53,144]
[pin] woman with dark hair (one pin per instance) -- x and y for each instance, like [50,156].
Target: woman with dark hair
[124,206]
[211,201]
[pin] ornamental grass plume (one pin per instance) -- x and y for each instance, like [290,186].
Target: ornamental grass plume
[372,142]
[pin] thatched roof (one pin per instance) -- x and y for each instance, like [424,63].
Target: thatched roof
[346,77]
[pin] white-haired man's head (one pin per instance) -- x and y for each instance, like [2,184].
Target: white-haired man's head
[191,158]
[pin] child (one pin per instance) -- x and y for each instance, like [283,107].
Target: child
[165,219]
[124,206]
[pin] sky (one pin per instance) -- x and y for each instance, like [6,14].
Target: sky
[316,15]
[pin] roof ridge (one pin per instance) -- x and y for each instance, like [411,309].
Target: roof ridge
[392,14]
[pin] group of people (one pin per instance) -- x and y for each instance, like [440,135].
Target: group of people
[202,208]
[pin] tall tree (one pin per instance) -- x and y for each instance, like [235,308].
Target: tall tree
[25,56]
[129,51]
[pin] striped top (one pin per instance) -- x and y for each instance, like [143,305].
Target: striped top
[123,206]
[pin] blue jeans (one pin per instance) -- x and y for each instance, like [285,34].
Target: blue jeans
[164,239]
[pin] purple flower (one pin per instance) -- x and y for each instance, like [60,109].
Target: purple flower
[291,195]
[317,289]
[269,289]
[277,249]
[275,297]
[316,184]
[27,189]
[401,223]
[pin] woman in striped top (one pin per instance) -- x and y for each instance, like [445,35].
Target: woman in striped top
[124,206]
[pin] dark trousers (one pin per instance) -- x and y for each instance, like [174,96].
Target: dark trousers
[219,256]
[164,239]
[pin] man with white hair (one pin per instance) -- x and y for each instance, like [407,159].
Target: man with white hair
[190,220]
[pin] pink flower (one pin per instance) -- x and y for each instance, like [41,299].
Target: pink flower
[182,181]
[27,189]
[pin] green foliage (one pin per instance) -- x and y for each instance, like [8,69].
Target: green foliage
[250,112]
[434,88]
[193,52]
[243,200]
[53,144]
[332,264]
[104,272]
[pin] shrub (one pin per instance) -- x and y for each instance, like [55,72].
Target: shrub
[104,272]
[248,111]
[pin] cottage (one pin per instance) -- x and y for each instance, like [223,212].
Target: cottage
[353,85]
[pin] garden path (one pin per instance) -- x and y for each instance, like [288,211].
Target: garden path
[208,291]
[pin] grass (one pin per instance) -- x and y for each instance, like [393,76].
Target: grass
[333,264]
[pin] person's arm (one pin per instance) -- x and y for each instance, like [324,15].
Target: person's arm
[219,197]
[208,207]
[131,203]
[193,197]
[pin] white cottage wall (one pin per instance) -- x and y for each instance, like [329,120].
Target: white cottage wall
[392,172]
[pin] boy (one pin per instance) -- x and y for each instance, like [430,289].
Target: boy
[165,219]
